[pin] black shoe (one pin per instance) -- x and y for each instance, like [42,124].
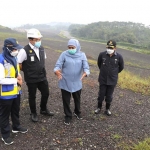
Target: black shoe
[46,112]
[67,120]
[97,111]
[108,112]
[7,141]
[21,130]
[34,117]
[78,116]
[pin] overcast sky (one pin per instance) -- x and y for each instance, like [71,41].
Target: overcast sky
[19,12]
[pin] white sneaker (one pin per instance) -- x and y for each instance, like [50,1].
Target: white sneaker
[108,112]
[78,116]
[97,111]
[7,141]
[21,130]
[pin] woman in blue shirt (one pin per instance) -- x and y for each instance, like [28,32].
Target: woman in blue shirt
[71,68]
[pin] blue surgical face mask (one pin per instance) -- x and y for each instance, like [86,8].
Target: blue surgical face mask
[37,44]
[72,51]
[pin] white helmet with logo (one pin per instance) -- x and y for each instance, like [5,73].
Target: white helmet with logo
[34,33]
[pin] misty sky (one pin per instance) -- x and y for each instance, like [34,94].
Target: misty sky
[19,12]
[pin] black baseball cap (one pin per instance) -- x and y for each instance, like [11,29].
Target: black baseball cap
[111,44]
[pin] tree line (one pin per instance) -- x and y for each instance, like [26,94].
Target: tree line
[131,34]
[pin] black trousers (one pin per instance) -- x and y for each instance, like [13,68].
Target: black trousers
[44,89]
[66,96]
[8,107]
[105,93]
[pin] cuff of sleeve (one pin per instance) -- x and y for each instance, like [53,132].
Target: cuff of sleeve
[87,73]
[56,69]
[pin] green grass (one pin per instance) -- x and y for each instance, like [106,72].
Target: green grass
[144,145]
[47,47]
[80,141]
[142,51]
[18,36]
[59,51]
[116,136]
[137,65]
[92,62]
[128,80]
[138,102]
[61,34]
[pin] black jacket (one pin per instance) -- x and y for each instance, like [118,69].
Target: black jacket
[33,68]
[109,67]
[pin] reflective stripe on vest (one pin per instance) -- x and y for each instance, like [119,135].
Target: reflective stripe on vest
[9,73]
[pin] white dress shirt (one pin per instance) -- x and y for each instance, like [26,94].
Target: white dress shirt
[22,55]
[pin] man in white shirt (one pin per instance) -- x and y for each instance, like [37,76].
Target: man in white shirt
[31,60]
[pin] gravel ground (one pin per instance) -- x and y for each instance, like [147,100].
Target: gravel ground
[130,120]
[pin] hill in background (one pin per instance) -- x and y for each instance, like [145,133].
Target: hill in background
[124,33]
[53,26]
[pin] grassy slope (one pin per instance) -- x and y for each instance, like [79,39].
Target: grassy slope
[137,85]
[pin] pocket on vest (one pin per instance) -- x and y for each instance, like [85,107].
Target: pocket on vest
[7,88]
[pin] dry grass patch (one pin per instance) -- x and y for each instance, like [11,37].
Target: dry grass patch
[127,80]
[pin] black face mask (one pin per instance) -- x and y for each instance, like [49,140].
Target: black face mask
[10,49]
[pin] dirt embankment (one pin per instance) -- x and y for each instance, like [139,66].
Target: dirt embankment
[130,120]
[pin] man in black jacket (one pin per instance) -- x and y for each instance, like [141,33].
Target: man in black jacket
[31,60]
[110,64]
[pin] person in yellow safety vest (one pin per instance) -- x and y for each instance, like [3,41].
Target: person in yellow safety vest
[10,90]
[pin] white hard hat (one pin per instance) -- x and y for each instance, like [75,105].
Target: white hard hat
[34,33]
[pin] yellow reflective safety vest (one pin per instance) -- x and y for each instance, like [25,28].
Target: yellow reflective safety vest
[9,90]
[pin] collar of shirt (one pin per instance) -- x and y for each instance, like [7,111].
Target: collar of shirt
[33,47]
[36,50]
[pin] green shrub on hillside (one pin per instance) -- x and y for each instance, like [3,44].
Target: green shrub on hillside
[128,34]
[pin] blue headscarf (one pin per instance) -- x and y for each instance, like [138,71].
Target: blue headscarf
[10,59]
[78,54]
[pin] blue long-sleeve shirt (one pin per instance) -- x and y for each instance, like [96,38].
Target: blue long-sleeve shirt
[72,68]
